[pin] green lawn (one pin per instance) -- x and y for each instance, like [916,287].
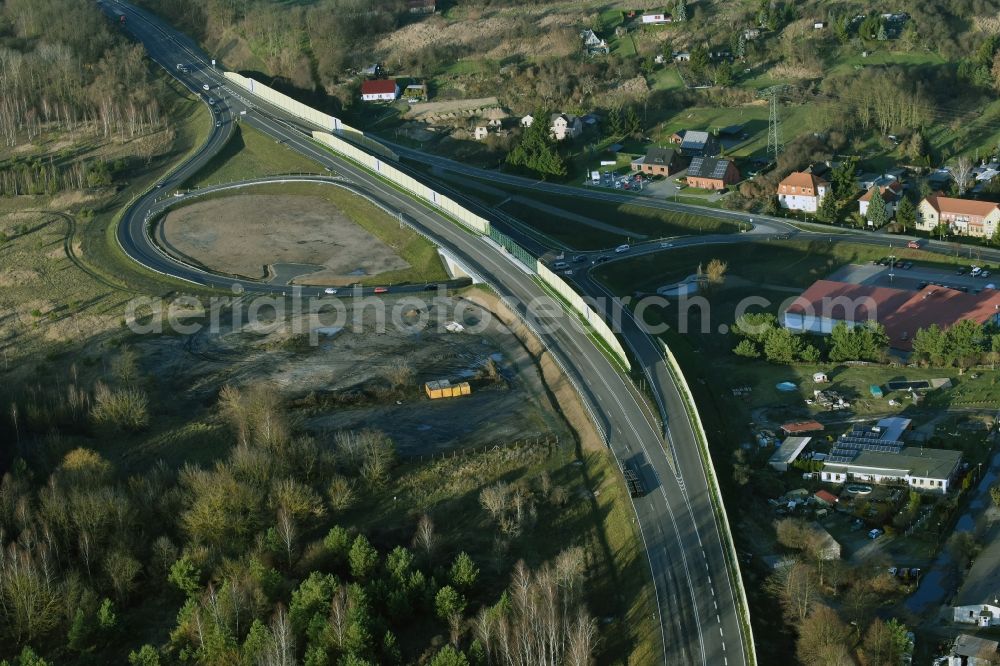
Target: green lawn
[666,78]
[251,154]
[785,263]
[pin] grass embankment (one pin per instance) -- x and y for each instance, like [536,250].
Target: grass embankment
[557,216]
[252,154]
[784,264]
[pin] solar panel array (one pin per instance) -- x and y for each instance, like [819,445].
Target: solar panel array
[720,169]
[860,439]
[696,164]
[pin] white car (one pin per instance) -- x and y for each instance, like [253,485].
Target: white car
[666,244]
[622,248]
[330,290]
[205,86]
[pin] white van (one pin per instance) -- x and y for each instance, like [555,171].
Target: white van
[559,265]
[622,248]
[976,270]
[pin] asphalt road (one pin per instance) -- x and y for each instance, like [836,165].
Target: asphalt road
[696,604]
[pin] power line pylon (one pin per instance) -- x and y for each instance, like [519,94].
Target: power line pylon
[774,142]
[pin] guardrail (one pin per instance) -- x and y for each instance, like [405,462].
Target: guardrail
[729,547]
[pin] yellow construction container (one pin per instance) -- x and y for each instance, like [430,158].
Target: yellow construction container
[442,388]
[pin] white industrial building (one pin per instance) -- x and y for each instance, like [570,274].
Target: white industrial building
[787,453]
[875,454]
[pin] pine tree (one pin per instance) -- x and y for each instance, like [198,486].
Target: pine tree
[827,208]
[680,10]
[906,213]
[877,214]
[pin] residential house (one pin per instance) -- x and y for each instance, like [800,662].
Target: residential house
[891,194]
[711,173]
[678,136]
[751,34]
[978,600]
[380,90]
[802,190]
[964,217]
[593,44]
[658,162]
[565,126]
[656,19]
[681,56]
[699,144]
[480,132]
[819,25]
[527,120]
[421,6]
[786,454]
[973,651]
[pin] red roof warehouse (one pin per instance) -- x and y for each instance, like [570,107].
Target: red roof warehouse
[900,311]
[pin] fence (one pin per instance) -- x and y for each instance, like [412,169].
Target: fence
[722,519]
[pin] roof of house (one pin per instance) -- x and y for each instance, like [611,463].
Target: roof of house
[974,646]
[926,463]
[378,87]
[826,539]
[789,450]
[826,496]
[802,180]
[889,192]
[708,167]
[951,205]
[695,139]
[839,300]
[802,426]
[568,117]
[657,155]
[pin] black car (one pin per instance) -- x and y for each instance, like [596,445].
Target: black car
[601,259]
[960,271]
[579,258]
[907,265]
[921,285]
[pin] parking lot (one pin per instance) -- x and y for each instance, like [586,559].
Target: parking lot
[915,277]
[635,182]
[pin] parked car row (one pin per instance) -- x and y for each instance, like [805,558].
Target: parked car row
[897,263]
[631,181]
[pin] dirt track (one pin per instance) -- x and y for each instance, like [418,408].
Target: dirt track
[244,235]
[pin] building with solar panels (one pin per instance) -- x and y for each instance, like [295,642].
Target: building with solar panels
[710,173]
[876,454]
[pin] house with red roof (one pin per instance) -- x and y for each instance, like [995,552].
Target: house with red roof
[826,497]
[802,190]
[891,194]
[379,90]
[800,427]
[964,217]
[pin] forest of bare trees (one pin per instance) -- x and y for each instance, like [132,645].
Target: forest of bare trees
[62,67]
[251,553]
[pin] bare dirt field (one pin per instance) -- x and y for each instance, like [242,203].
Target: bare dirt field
[249,234]
[361,375]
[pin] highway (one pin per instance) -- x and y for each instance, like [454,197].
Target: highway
[696,605]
